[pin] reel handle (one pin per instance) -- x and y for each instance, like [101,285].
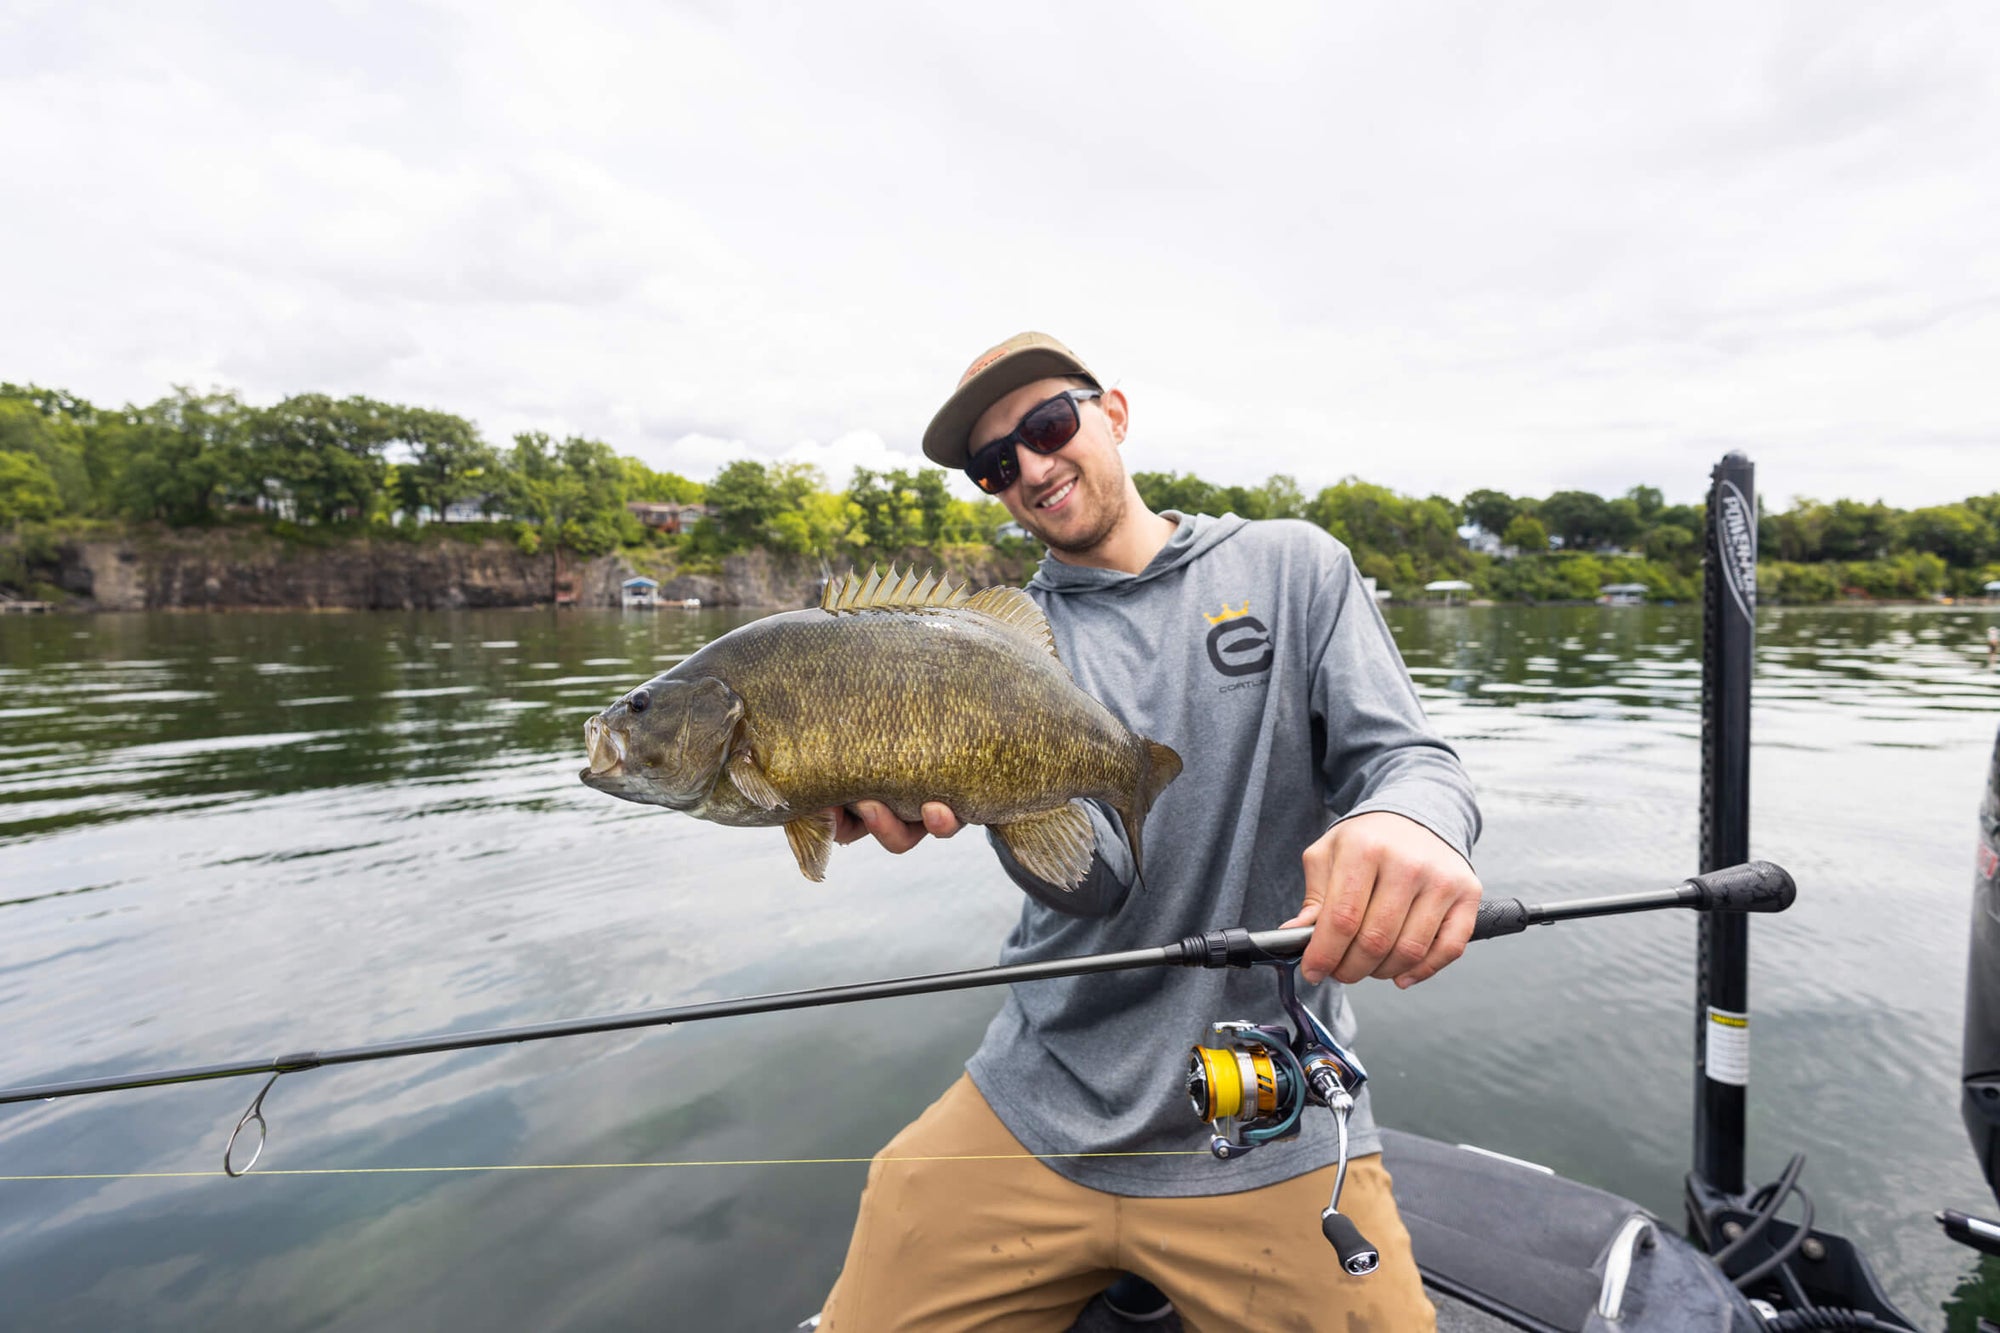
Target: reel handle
[1357,1256]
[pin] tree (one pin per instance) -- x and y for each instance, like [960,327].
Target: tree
[933,502]
[1170,490]
[1526,533]
[1958,533]
[642,483]
[1580,518]
[1856,531]
[322,455]
[572,490]
[447,461]
[892,516]
[1280,497]
[27,491]
[745,500]
[1647,500]
[179,459]
[54,441]
[1492,511]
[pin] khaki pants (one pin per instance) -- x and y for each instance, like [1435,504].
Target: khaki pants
[1009,1246]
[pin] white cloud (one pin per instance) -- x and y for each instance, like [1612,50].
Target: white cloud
[1436,247]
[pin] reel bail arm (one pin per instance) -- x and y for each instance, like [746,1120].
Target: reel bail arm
[1257,1084]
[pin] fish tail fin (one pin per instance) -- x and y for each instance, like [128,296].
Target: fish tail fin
[1158,765]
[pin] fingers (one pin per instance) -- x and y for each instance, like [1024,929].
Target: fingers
[1386,898]
[847,826]
[898,835]
[1380,934]
[1340,881]
[1452,937]
[1307,915]
[1411,938]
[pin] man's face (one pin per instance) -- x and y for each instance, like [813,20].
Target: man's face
[1073,498]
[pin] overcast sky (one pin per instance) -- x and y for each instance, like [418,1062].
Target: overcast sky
[1439,247]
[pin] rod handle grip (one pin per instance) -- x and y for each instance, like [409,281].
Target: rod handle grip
[1357,1256]
[1754,886]
[1500,916]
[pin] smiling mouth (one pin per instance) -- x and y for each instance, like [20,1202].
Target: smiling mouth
[1056,497]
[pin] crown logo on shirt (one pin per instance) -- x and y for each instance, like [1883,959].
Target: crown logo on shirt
[1227,614]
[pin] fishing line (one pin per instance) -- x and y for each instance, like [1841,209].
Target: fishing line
[597,1166]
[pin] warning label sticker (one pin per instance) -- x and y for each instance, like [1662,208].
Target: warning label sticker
[1728,1057]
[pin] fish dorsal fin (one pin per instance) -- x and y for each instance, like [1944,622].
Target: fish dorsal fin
[1016,610]
[896,592]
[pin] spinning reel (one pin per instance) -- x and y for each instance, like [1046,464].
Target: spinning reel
[1255,1083]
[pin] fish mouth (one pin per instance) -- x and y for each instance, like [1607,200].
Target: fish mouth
[606,748]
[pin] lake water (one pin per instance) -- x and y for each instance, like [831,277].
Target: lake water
[240,835]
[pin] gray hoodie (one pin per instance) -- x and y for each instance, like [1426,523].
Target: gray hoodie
[1255,651]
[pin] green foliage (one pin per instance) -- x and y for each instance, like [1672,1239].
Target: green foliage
[447,461]
[321,457]
[53,440]
[179,460]
[1278,497]
[1495,511]
[891,514]
[572,492]
[315,467]
[27,491]
[642,483]
[1526,534]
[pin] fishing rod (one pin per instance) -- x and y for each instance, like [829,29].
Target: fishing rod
[1255,1088]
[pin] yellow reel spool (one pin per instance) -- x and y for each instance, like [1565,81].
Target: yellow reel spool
[1219,1079]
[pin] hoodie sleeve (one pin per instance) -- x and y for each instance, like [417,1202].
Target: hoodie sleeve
[1379,751]
[1103,889]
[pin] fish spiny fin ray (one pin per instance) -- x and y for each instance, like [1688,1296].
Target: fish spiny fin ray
[1054,846]
[895,591]
[750,780]
[811,837]
[1017,610]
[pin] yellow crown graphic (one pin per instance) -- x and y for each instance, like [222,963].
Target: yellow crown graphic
[1227,614]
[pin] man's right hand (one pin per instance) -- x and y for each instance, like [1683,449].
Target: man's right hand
[853,822]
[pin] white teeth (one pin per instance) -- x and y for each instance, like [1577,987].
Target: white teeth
[1057,498]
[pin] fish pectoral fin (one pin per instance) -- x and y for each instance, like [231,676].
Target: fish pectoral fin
[811,837]
[1055,846]
[750,780]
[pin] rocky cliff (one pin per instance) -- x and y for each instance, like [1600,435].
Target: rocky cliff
[250,569]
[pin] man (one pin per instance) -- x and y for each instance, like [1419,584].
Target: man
[1313,789]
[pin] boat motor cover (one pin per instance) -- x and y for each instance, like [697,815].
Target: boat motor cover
[1511,1238]
[1981,1105]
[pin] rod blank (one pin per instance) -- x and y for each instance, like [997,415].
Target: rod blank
[1760,885]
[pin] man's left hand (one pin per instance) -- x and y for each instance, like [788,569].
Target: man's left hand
[1387,898]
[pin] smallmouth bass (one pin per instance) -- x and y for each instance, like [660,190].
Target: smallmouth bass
[897,690]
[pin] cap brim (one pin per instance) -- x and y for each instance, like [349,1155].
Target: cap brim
[948,439]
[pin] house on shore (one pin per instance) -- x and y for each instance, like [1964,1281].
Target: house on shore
[668,515]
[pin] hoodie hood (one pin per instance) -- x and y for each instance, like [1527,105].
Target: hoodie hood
[1194,535]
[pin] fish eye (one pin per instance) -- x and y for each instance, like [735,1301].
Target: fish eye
[638,700]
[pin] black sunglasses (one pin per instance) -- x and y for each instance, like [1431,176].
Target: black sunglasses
[1047,427]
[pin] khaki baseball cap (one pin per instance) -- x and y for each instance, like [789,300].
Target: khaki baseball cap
[993,374]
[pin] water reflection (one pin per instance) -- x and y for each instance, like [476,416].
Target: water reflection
[236,835]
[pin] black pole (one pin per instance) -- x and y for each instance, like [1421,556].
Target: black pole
[1722,985]
[1760,887]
